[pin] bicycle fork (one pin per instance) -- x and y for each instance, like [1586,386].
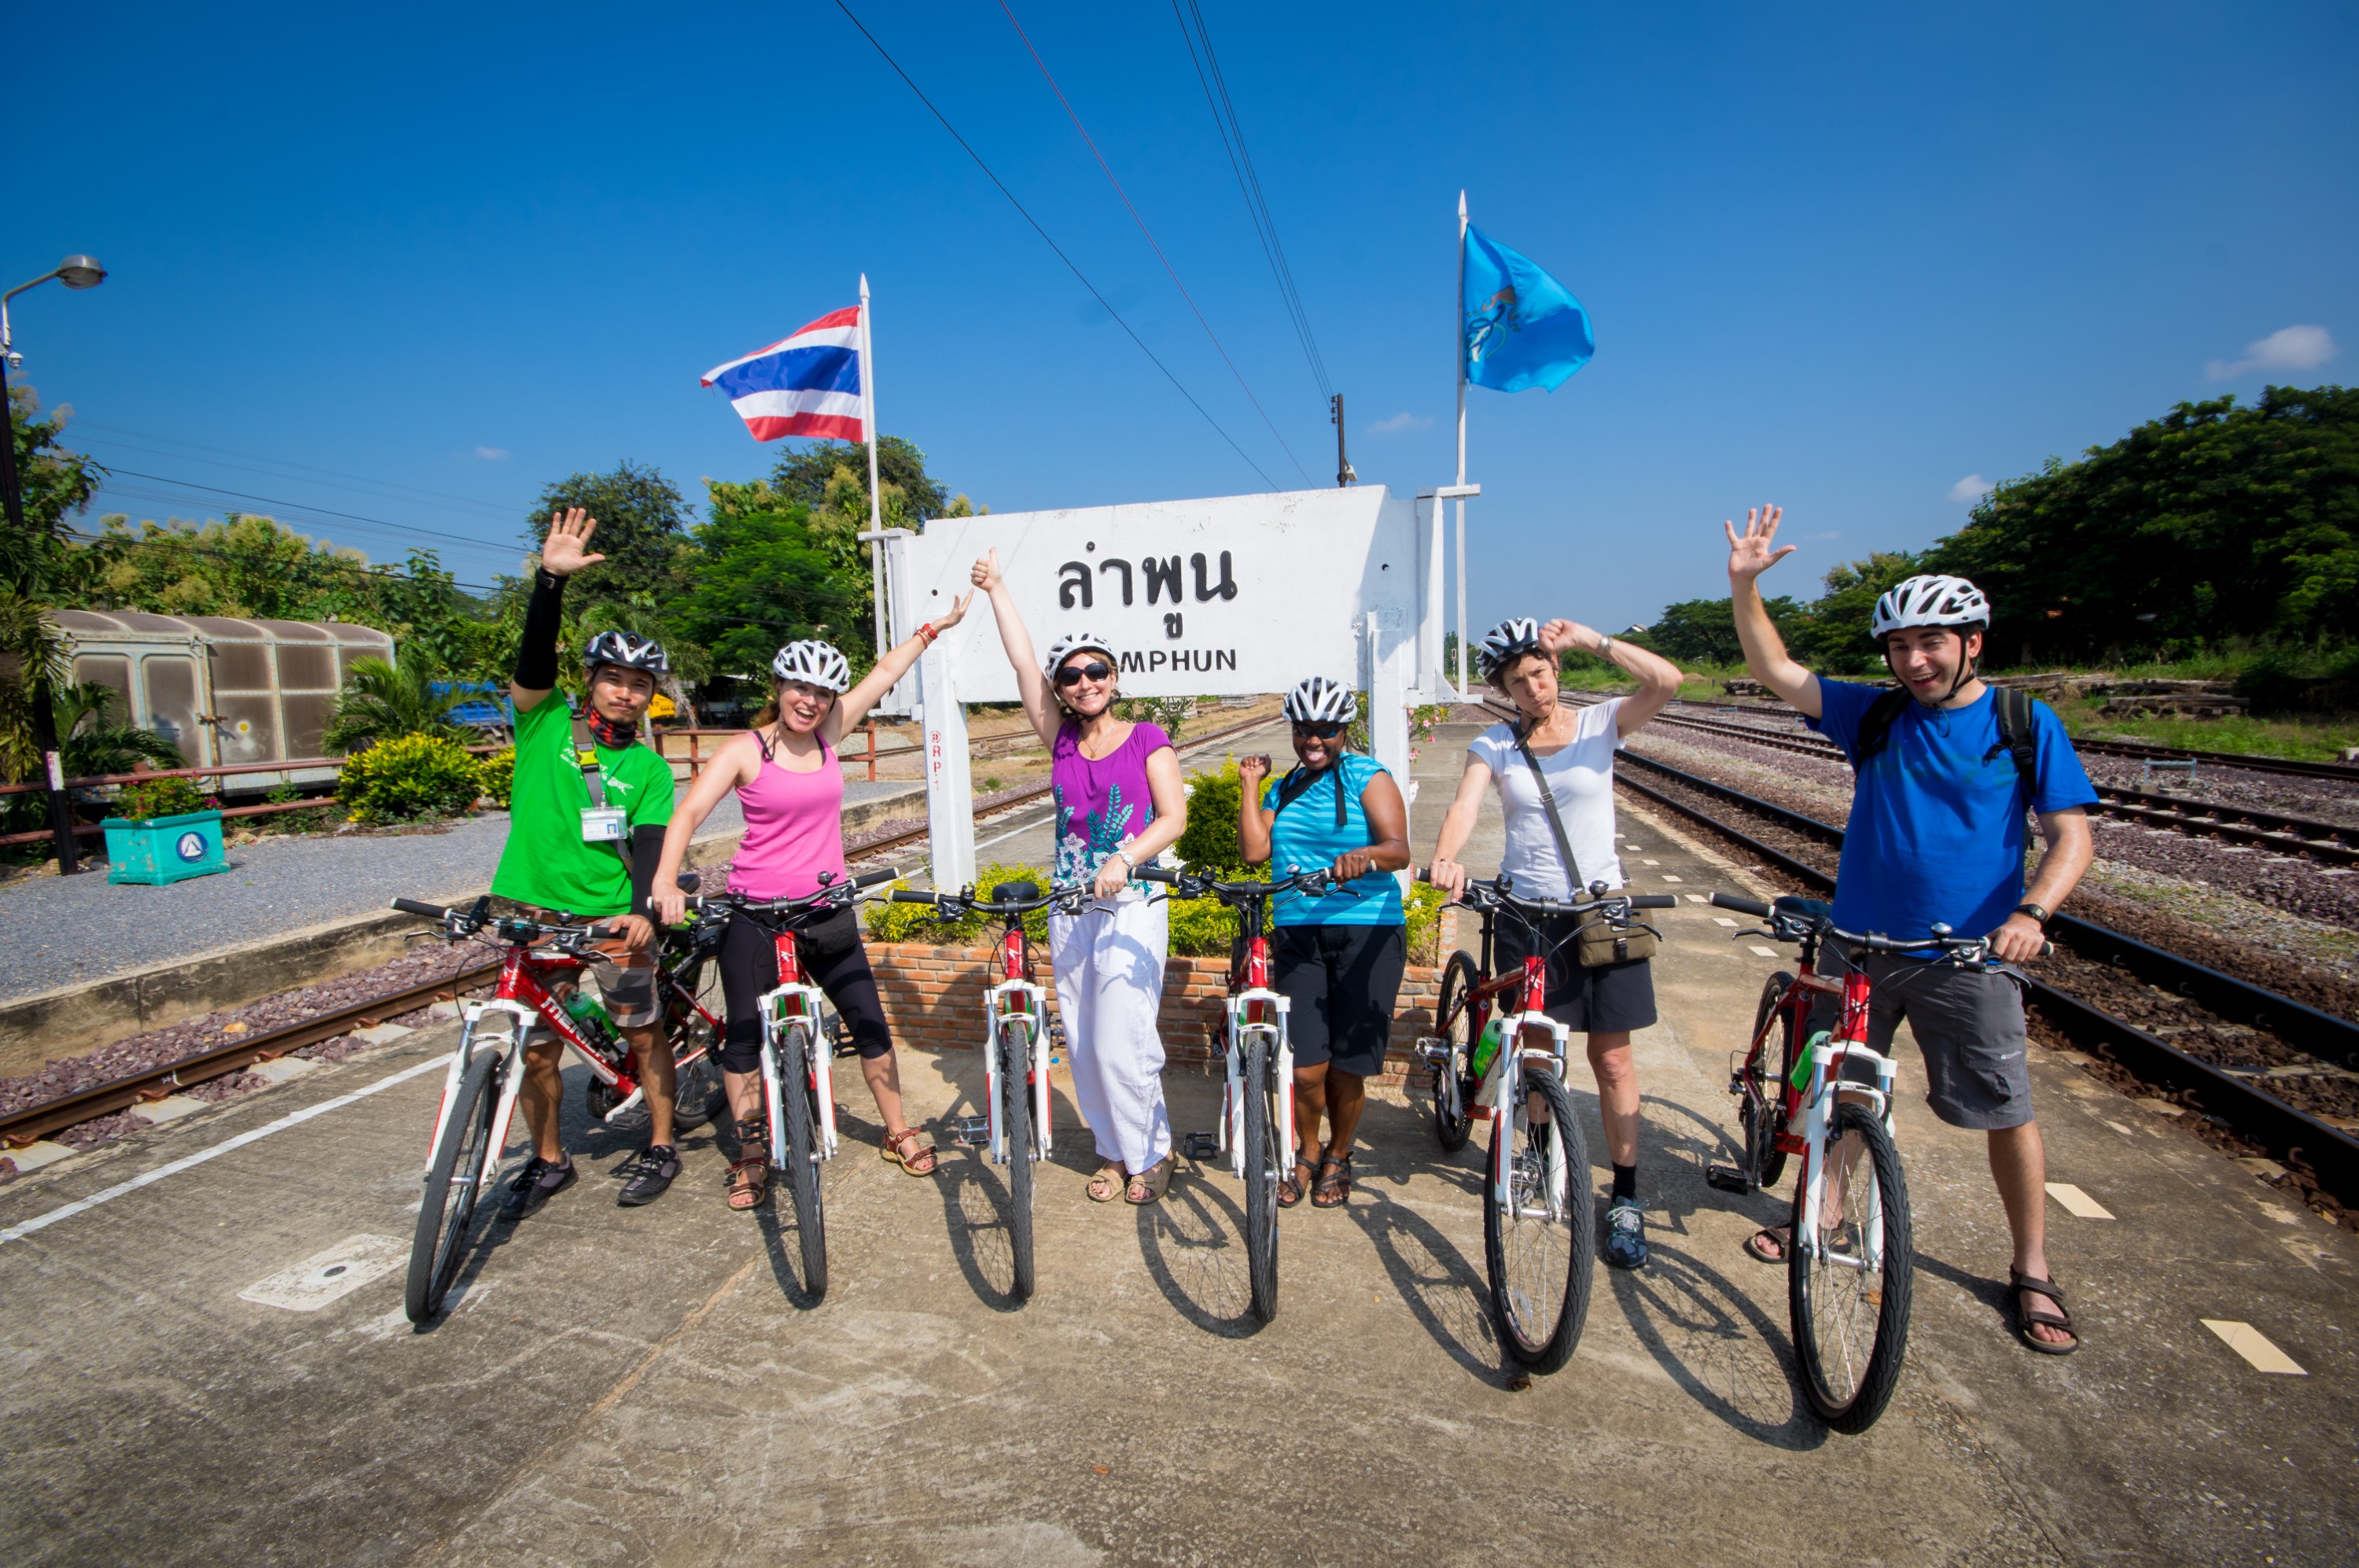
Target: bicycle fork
[1820,1103]
[1031,1015]
[1272,1027]
[495,1025]
[787,1008]
[1503,1094]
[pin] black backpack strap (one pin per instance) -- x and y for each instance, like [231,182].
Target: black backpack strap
[1292,788]
[2015,734]
[1875,727]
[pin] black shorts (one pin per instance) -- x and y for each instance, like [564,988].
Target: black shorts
[749,968]
[1612,998]
[1342,981]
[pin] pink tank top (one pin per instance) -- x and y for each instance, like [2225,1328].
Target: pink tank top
[794,830]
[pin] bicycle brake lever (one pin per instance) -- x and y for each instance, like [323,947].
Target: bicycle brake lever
[1754,930]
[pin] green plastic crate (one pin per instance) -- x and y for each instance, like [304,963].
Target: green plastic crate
[165,849]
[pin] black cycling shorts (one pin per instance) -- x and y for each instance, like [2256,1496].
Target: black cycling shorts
[1344,981]
[1611,999]
[749,968]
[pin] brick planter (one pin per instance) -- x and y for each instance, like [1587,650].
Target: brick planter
[933,1000]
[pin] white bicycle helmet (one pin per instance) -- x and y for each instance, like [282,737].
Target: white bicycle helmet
[1929,601]
[1508,640]
[813,663]
[626,650]
[1319,701]
[1071,643]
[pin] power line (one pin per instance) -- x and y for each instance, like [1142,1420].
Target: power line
[1233,141]
[1086,140]
[1023,212]
[315,511]
[391,488]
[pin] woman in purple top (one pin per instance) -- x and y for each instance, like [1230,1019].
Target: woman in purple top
[1120,803]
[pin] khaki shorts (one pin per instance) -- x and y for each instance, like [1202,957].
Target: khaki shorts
[626,977]
[1969,1026]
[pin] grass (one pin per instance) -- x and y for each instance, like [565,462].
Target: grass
[2303,739]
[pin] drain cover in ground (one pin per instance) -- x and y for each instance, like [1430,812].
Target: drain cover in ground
[323,1276]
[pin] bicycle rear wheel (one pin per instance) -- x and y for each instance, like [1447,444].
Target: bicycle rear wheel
[453,1187]
[1538,1245]
[1763,1106]
[802,1158]
[1453,1024]
[1261,1158]
[1850,1294]
[1016,1123]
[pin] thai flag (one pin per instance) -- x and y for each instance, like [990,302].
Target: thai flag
[808,385]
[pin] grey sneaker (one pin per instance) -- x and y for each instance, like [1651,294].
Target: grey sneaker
[1626,1233]
[535,1185]
[648,1175]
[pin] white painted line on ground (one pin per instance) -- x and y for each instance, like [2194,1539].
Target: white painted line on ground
[1760,952]
[296,1118]
[1650,863]
[2077,1204]
[1698,898]
[1674,878]
[2254,1346]
[1722,920]
[324,1277]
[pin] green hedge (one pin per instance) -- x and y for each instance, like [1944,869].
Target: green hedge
[408,777]
[496,774]
[159,798]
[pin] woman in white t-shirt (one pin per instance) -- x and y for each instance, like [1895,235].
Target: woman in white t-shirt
[1574,748]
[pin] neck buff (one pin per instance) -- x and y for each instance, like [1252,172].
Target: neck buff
[614,734]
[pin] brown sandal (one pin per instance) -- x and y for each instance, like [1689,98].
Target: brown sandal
[1148,1186]
[749,1173]
[896,1147]
[1106,1184]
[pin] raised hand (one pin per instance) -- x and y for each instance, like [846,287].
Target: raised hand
[1561,634]
[1253,769]
[986,574]
[565,552]
[956,613]
[1750,556]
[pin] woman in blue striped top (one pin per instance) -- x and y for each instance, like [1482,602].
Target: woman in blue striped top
[1338,957]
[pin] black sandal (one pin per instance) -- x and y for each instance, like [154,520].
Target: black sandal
[1777,1235]
[2017,1283]
[1295,1185]
[1335,1185]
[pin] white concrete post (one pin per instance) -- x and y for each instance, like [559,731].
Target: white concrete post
[1431,680]
[949,790]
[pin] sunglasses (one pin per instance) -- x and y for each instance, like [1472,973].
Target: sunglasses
[1074,674]
[1318,732]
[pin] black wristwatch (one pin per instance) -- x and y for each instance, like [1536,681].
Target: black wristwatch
[2039,914]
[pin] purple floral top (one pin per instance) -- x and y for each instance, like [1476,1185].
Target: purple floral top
[1100,804]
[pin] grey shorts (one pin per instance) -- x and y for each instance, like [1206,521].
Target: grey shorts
[1969,1026]
[626,980]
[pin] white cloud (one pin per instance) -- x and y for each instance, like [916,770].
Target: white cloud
[492,453]
[2288,348]
[1973,487]
[1400,424]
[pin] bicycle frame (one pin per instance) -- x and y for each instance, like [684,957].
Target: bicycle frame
[1831,1080]
[795,1003]
[1018,999]
[1254,1009]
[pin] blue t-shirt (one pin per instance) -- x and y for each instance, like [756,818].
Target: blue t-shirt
[1937,817]
[1304,837]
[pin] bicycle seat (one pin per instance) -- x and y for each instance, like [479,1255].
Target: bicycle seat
[1015,892]
[1794,907]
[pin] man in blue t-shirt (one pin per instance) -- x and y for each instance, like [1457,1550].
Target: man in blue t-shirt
[1937,835]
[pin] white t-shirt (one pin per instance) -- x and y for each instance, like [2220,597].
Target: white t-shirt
[1580,777]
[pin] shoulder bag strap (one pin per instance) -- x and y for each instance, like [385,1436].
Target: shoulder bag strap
[1556,822]
[594,778]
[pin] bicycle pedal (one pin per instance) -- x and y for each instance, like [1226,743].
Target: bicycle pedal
[1727,1179]
[1202,1146]
[847,1048]
[972,1132]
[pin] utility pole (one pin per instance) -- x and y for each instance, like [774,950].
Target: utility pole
[1343,475]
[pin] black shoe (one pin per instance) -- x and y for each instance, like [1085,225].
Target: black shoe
[535,1185]
[648,1175]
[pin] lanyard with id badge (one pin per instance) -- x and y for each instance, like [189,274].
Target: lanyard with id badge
[603,823]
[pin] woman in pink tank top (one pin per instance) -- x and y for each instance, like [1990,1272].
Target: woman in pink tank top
[791,789]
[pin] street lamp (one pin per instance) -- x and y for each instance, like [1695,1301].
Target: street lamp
[74,272]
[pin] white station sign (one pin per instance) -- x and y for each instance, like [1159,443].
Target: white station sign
[1224,596]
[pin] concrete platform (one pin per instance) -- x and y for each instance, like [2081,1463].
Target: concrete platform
[651,1386]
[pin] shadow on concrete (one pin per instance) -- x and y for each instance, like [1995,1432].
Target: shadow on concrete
[771,1218]
[1193,1244]
[1982,1288]
[1449,1298]
[1719,1345]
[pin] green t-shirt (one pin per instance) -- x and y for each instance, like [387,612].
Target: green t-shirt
[546,861]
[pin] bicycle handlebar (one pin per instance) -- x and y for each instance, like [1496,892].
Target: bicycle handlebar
[437,912]
[1791,927]
[966,903]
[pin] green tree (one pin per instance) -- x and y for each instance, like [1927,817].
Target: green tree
[55,485]
[2215,521]
[383,701]
[765,578]
[643,523]
[809,474]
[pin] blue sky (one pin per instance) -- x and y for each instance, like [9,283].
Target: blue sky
[1842,259]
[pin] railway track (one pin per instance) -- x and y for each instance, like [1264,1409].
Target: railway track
[2308,838]
[23,1127]
[2329,1156]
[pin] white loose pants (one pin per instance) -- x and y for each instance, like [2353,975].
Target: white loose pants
[1109,965]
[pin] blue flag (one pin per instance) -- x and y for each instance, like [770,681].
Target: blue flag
[1521,328]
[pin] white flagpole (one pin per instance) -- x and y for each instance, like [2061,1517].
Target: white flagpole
[876,498]
[1459,312]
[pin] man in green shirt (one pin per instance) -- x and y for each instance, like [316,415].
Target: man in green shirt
[585,829]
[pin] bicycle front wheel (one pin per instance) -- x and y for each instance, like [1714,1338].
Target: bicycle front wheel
[461,1164]
[1536,1233]
[1453,1112]
[802,1158]
[1016,1124]
[1261,1160]
[1850,1293]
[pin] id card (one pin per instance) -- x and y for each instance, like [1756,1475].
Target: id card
[603,824]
